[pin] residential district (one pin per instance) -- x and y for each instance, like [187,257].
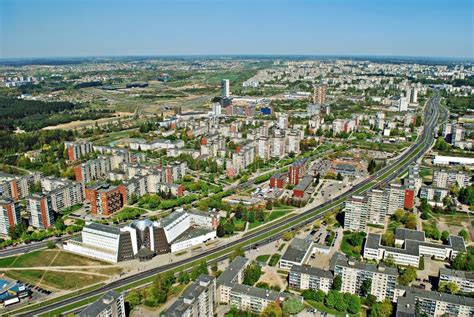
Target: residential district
[237,187]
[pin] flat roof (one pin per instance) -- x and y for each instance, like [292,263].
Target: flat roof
[192,233]
[172,217]
[297,250]
[104,228]
[101,304]
[313,271]
[460,274]
[255,292]
[342,260]
[305,183]
[229,274]
[404,234]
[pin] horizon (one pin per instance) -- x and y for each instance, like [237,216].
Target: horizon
[85,28]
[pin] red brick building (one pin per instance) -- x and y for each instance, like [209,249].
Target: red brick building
[296,171]
[409,198]
[278,180]
[105,199]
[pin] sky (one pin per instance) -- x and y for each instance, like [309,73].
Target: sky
[69,28]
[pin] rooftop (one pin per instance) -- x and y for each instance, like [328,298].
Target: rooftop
[230,273]
[255,292]
[101,304]
[313,271]
[297,250]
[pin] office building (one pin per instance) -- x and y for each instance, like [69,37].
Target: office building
[111,304]
[307,277]
[9,215]
[297,253]
[410,245]
[225,88]
[199,299]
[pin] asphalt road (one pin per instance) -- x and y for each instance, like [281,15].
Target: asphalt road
[425,141]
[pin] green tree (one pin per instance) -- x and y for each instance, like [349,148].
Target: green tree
[292,306]
[272,310]
[133,299]
[382,309]
[59,224]
[252,273]
[388,239]
[340,303]
[407,276]
[353,303]
[183,277]
[445,236]
[237,252]
[448,287]
[366,287]
[330,300]
[463,233]
[319,296]
[337,283]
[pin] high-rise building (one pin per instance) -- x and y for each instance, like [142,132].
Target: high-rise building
[9,215]
[402,104]
[414,95]
[225,88]
[216,109]
[111,304]
[447,178]
[377,204]
[307,277]
[382,279]
[105,200]
[40,210]
[319,94]
[76,150]
[199,299]
[355,213]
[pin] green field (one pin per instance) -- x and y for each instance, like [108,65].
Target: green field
[263,258]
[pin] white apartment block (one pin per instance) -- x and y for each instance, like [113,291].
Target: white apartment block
[356,213]
[383,279]
[447,178]
[233,274]
[464,280]
[307,277]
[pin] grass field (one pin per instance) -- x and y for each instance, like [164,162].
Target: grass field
[263,258]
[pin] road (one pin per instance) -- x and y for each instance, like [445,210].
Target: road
[380,178]
[34,246]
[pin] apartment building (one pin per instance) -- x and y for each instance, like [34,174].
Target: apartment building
[199,299]
[356,213]
[433,195]
[105,199]
[9,215]
[415,302]
[78,149]
[383,279]
[40,211]
[377,201]
[252,299]
[307,277]
[464,280]
[111,304]
[410,246]
[63,192]
[319,94]
[447,178]
[278,180]
[16,186]
[296,171]
[92,170]
[297,253]
[233,274]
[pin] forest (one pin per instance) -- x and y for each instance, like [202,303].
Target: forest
[33,115]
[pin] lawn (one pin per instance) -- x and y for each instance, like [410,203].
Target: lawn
[239,224]
[352,244]
[70,259]
[27,276]
[6,262]
[277,214]
[274,259]
[67,280]
[320,307]
[36,258]
[263,258]
[254,224]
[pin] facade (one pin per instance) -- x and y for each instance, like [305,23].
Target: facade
[355,213]
[199,299]
[307,277]
[233,274]
[92,170]
[382,279]
[296,171]
[464,280]
[302,186]
[9,215]
[297,253]
[40,211]
[319,94]
[111,304]
[225,88]
[105,199]
[252,299]
[278,180]
[77,150]
[433,194]
[447,178]
[415,302]
[15,186]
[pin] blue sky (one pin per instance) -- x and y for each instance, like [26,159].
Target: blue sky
[50,28]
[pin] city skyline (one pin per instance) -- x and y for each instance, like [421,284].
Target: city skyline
[180,28]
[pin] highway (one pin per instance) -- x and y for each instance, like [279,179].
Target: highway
[380,178]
